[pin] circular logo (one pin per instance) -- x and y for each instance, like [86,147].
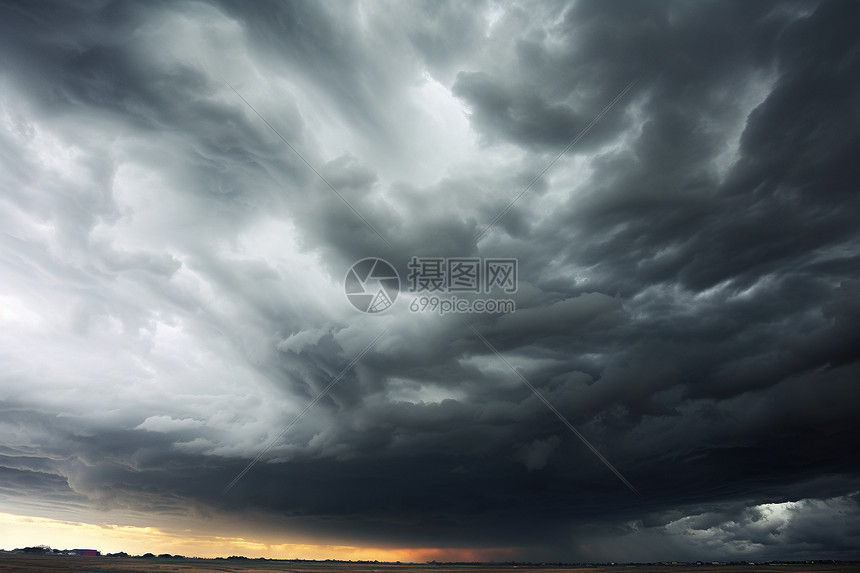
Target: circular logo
[372,285]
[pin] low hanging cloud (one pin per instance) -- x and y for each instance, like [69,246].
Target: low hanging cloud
[171,272]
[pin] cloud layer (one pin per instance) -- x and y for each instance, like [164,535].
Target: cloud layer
[171,271]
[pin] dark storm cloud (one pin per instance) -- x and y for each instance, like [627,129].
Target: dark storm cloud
[688,297]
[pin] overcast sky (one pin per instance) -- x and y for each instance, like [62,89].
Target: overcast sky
[172,278]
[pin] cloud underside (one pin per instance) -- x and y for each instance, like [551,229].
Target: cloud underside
[171,272]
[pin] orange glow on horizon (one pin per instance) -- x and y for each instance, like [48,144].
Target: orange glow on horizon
[22,531]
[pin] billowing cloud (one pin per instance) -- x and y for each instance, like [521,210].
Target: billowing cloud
[186,185]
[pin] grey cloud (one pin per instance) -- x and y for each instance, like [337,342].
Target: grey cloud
[688,298]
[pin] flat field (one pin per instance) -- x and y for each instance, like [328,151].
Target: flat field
[49,563]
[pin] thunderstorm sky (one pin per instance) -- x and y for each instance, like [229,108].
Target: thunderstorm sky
[172,278]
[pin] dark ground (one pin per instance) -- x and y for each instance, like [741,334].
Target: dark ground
[48,563]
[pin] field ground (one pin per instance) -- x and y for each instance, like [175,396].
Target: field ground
[49,563]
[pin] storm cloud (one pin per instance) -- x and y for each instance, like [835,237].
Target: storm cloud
[186,184]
